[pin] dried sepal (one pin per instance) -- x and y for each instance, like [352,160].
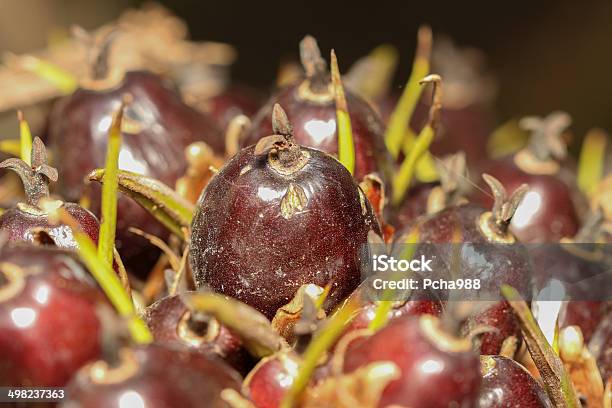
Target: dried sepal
[280,122]
[289,315]
[360,388]
[310,56]
[546,141]
[504,207]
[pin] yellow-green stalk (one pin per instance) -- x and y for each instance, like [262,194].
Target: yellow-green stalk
[320,344]
[102,272]
[25,139]
[110,189]
[58,77]
[346,147]
[591,161]
[404,176]
[400,118]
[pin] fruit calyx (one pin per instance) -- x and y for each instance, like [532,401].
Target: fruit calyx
[12,280]
[494,224]
[98,50]
[102,372]
[317,86]
[197,327]
[284,155]
[35,177]
[546,146]
[452,171]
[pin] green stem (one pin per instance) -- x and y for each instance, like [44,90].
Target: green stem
[557,382]
[319,345]
[61,79]
[102,273]
[25,139]
[110,189]
[346,147]
[404,176]
[400,118]
[591,162]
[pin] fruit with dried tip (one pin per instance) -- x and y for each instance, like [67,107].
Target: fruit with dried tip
[437,370]
[310,105]
[157,127]
[27,221]
[49,321]
[280,212]
[489,253]
[549,211]
[154,376]
[171,322]
[506,383]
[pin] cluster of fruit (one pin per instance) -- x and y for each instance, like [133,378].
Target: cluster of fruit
[244,228]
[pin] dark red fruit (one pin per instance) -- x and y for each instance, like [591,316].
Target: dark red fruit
[172,323]
[436,368]
[234,101]
[419,303]
[49,326]
[586,314]
[601,346]
[276,217]
[429,198]
[27,221]
[487,254]
[271,378]
[310,104]
[505,383]
[154,376]
[157,127]
[548,212]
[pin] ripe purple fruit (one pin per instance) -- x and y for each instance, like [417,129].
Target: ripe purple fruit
[172,323]
[155,376]
[549,211]
[27,221]
[506,383]
[157,127]
[310,104]
[276,217]
[437,370]
[49,326]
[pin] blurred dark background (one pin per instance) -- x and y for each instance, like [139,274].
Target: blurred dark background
[547,54]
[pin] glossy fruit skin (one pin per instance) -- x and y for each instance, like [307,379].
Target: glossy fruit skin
[420,302]
[269,381]
[21,223]
[234,101]
[601,346]
[157,128]
[244,247]
[165,377]
[50,328]
[550,212]
[413,206]
[505,383]
[430,376]
[494,264]
[585,314]
[164,317]
[314,125]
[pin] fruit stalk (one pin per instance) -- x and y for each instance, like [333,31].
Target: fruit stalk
[110,189]
[346,147]
[398,122]
[102,272]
